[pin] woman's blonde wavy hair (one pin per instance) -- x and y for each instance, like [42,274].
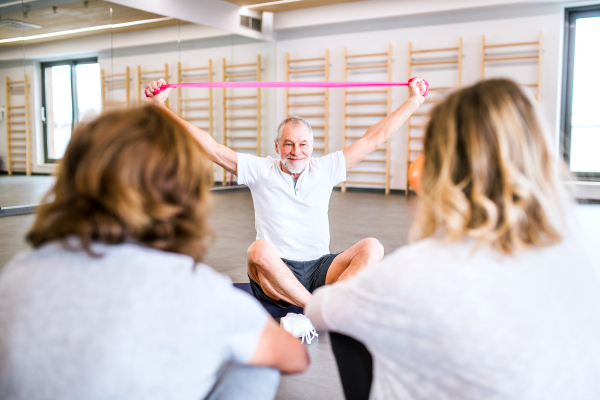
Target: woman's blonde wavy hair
[489,172]
[133,175]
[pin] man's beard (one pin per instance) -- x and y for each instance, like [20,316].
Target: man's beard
[295,167]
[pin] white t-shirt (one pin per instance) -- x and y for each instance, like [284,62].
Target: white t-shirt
[294,220]
[446,321]
[136,323]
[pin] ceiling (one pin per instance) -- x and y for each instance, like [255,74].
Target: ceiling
[77,15]
[295,5]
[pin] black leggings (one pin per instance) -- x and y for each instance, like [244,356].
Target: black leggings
[355,365]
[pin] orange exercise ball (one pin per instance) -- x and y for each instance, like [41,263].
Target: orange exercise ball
[414,173]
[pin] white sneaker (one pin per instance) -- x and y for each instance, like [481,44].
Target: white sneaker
[299,326]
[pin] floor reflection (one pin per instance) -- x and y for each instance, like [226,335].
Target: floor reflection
[16,190]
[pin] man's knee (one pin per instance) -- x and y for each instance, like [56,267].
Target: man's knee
[373,248]
[261,254]
[257,250]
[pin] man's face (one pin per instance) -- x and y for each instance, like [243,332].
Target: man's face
[294,147]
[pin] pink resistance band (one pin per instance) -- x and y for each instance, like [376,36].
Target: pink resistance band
[283,84]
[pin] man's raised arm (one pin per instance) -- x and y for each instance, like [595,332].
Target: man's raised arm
[219,154]
[384,129]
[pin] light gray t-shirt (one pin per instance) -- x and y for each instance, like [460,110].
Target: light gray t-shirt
[135,323]
[454,321]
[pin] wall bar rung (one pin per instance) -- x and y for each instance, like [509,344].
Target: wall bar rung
[365,182]
[307,94]
[367,55]
[239,97]
[305,71]
[366,172]
[488,46]
[195,79]
[509,58]
[194,69]
[366,114]
[307,105]
[361,103]
[434,62]
[435,50]
[307,59]
[365,91]
[194,108]
[313,116]
[373,66]
[242,65]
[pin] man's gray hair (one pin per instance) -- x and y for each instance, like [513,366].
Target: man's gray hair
[295,121]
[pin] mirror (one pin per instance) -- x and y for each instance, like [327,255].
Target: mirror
[82,57]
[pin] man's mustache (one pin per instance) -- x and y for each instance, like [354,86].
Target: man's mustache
[295,158]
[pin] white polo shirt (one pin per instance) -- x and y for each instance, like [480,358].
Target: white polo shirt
[294,220]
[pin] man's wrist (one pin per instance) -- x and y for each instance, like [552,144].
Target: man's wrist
[156,102]
[415,101]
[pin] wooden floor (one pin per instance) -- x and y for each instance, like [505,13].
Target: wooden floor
[353,216]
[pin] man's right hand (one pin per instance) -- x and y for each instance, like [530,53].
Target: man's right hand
[158,98]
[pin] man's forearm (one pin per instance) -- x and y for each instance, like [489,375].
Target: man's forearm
[201,136]
[385,129]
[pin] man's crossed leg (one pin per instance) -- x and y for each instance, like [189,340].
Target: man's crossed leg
[279,283]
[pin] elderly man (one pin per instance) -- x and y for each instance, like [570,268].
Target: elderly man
[290,257]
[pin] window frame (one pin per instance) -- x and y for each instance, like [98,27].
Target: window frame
[571,16]
[75,117]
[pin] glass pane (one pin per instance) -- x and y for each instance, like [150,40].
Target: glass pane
[59,111]
[89,100]
[585,120]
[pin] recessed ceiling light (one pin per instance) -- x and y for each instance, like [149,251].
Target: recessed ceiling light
[13,3]
[271,3]
[16,24]
[91,28]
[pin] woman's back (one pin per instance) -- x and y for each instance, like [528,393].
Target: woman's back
[134,323]
[499,298]
[446,321]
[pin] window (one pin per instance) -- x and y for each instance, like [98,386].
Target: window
[581,85]
[70,93]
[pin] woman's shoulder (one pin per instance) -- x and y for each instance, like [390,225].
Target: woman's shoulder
[70,254]
[114,264]
[431,249]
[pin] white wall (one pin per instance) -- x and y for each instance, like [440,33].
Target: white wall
[152,48]
[433,36]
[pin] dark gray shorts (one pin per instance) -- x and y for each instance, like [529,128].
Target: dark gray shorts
[311,275]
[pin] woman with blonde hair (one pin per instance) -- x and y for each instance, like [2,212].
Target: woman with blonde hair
[496,298]
[113,302]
